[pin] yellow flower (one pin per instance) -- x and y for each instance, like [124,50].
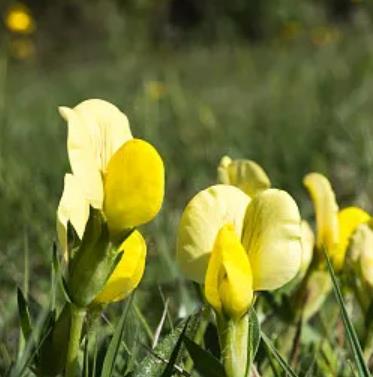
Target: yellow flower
[18,19]
[155,90]
[128,272]
[112,172]
[221,222]
[98,140]
[334,227]
[247,175]
[133,186]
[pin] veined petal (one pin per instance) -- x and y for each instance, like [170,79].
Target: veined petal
[200,223]
[326,210]
[349,219]
[73,207]
[272,238]
[247,175]
[308,243]
[128,272]
[228,282]
[134,186]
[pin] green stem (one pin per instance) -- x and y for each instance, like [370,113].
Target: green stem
[234,344]
[72,359]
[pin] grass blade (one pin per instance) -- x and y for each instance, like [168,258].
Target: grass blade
[284,365]
[111,354]
[353,340]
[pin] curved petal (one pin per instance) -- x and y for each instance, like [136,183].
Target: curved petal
[200,223]
[308,243]
[128,272]
[73,207]
[272,238]
[228,282]
[349,219]
[247,175]
[363,247]
[134,186]
[326,210]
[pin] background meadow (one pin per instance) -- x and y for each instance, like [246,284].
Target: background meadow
[293,93]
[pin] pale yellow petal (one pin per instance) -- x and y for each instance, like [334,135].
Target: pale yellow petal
[326,209]
[308,243]
[349,219]
[228,282]
[73,207]
[128,272]
[247,175]
[363,242]
[200,223]
[134,186]
[81,156]
[272,238]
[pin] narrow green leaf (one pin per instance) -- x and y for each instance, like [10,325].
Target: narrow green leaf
[350,331]
[24,315]
[111,354]
[282,362]
[204,362]
[170,368]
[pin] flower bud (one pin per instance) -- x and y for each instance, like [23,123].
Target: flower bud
[127,273]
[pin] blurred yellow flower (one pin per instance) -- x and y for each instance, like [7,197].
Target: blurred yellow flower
[247,175]
[22,48]
[334,227]
[155,90]
[18,19]
[221,222]
[324,35]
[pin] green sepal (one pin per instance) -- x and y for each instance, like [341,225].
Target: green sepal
[92,263]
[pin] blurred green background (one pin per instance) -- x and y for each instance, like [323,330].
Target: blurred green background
[286,83]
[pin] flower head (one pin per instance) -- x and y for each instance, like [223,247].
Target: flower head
[18,19]
[237,246]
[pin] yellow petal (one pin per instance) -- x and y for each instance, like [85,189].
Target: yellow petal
[228,282]
[308,243]
[247,175]
[272,238]
[362,248]
[349,219]
[73,207]
[128,272]
[326,209]
[82,160]
[134,186]
[200,223]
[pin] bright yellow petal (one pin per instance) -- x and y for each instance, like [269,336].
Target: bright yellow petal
[272,238]
[228,282]
[128,272]
[349,219]
[73,207]
[247,175]
[134,186]
[326,209]
[308,243]
[200,223]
